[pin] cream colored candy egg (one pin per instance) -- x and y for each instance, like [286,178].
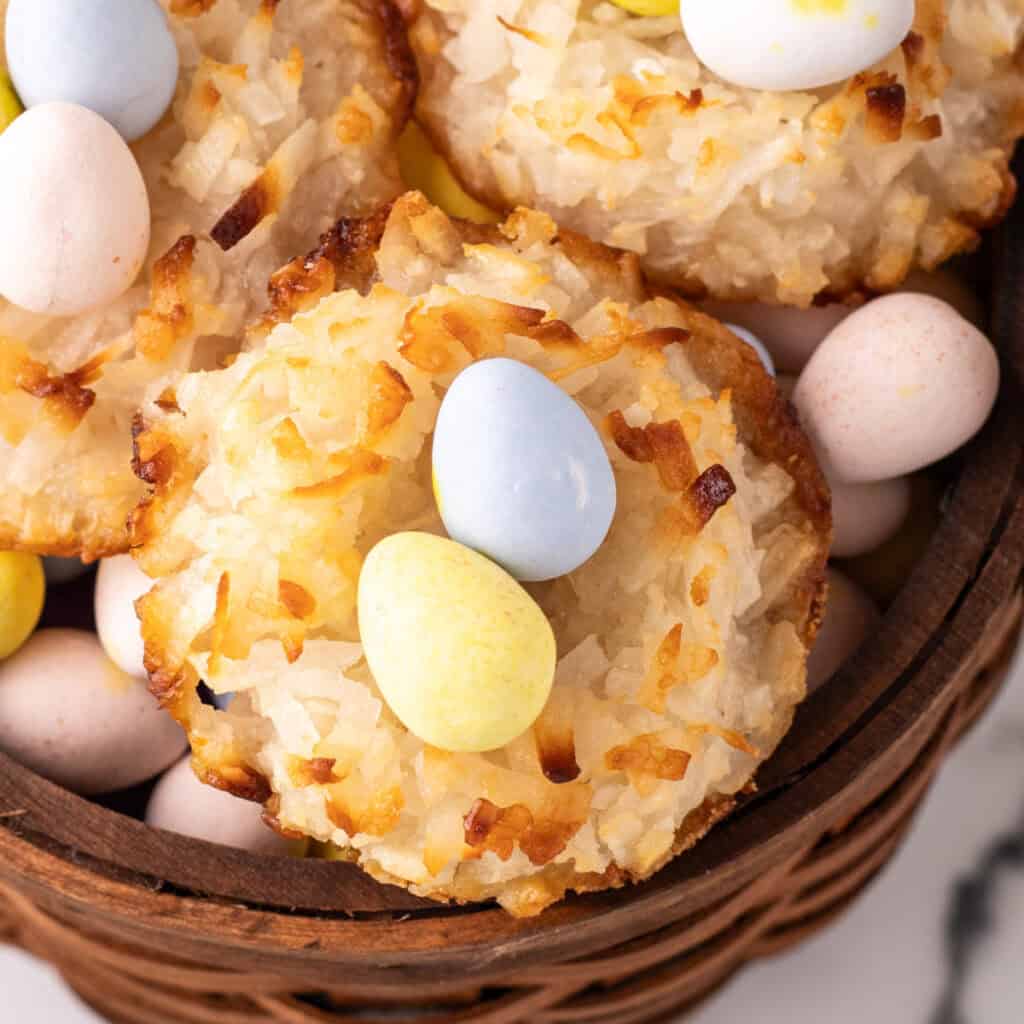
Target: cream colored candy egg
[74,209]
[793,44]
[70,714]
[463,655]
[181,803]
[899,384]
[119,584]
[849,617]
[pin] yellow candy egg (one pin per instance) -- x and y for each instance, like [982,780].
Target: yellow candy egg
[424,169]
[10,105]
[461,652]
[22,592]
[324,851]
[649,8]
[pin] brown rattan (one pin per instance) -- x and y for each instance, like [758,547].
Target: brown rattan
[636,981]
[152,928]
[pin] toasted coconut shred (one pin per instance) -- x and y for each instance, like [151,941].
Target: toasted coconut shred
[682,643]
[270,138]
[610,123]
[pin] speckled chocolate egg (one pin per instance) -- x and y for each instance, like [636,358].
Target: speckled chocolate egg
[75,211]
[883,572]
[181,803]
[70,714]
[897,385]
[865,516]
[520,473]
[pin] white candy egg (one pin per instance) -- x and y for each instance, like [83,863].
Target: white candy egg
[70,714]
[520,473]
[74,210]
[849,616]
[118,59]
[751,339]
[897,385]
[793,44]
[119,584]
[181,803]
[865,516]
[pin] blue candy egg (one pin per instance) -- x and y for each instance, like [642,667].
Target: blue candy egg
[751,339]
[116,57]
[520,473]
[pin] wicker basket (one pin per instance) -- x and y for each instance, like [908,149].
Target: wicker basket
[150,927]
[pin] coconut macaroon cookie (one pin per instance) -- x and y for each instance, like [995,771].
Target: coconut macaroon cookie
[681,644]
[270,137]
[610,122]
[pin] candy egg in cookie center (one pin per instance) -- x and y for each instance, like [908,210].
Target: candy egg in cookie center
[478,658]
[523,484]
[520,473]
[793,44]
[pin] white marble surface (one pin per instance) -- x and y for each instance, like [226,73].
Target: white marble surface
[885,962]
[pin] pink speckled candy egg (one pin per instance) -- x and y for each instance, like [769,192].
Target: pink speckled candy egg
[74,209]
[897,385]
[70,714]
[849,616]
[865,516]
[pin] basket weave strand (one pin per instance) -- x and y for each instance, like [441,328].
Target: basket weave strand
[646,979]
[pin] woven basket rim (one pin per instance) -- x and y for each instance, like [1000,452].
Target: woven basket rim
[862,730]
